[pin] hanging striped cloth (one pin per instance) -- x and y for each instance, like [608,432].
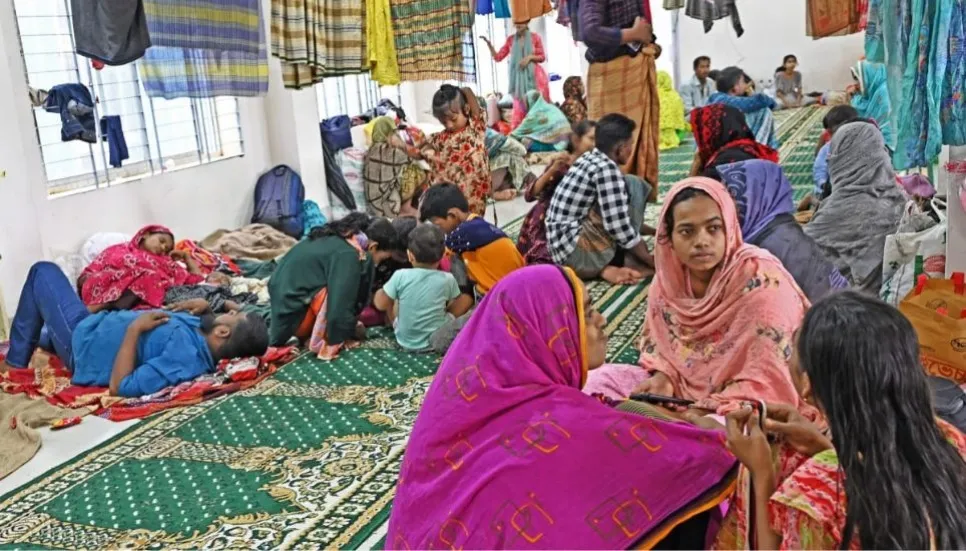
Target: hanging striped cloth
[318,38]
[434,40]
[205,48]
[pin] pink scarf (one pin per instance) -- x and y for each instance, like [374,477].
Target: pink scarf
[733,344]
[507,452]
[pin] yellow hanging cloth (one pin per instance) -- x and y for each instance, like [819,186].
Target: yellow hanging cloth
[382,45]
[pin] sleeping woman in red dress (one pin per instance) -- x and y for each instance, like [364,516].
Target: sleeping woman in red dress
[136,274]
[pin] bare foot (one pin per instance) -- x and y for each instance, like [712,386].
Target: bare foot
[4,367]
[505,195]
[620,276]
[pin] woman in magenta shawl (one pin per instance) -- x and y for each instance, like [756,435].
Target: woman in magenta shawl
[508,453]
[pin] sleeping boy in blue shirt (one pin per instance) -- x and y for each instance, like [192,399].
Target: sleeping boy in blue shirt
[134,353]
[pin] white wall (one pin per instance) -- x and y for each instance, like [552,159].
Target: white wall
[772,30]
[193,201]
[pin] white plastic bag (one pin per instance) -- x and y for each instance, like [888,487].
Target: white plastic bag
[908,254]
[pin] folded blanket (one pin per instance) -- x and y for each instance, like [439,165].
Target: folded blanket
[255,241]
[20,417]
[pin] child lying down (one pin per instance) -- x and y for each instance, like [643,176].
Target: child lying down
[214,295]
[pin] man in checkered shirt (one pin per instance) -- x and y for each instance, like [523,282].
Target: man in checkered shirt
[596,215]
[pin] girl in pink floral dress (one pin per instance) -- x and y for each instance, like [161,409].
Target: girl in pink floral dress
[458,153]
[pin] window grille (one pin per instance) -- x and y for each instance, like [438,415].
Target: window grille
[161,135]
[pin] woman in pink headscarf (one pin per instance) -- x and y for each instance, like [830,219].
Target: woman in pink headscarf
[508,453]
[721,313]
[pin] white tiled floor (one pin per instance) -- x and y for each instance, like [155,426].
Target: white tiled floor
[58,447]
[508,211]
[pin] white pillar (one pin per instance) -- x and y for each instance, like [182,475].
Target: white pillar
[22,179]
[292,124]
[956,233]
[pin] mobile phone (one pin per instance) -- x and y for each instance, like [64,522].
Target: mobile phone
[635,47]
[658,399]
[761,408]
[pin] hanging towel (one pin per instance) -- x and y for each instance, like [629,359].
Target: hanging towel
[76,108]
[433,40]
[112,31]
[382,47]
[113,133]
[207,49]
[709,11]
[319,38]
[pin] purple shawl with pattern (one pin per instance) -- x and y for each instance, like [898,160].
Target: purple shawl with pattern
[508,453]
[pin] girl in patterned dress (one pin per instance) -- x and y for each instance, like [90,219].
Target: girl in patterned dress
[886,474]
[458,153]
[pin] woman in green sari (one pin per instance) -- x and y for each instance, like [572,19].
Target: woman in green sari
[545,127]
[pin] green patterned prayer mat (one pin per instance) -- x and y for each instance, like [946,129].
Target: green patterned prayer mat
[798,133]
[309,458]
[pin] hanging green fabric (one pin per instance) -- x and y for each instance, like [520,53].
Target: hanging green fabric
[953,108]
[916,63]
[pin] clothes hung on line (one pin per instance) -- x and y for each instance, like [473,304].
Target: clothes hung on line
[315,39]
[113,133]
[217,48]
[835,17]
[76,108]
[523,11]
[709,11]
[114,32]
[922,46]
[434,40]
[499,8]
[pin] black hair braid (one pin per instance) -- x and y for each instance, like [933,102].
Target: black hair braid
[349,225]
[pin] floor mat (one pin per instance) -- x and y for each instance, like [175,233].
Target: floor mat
[307,458]
[798,132]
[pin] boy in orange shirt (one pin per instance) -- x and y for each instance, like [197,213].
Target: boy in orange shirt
[487,252]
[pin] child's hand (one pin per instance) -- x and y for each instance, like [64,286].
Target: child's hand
[178,255]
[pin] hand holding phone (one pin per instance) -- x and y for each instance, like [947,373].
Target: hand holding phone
[660,400]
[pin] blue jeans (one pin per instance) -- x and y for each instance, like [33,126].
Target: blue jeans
[47,299]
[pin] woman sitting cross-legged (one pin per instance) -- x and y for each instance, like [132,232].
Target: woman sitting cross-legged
[887,475]
[721,313]
[508,453]
[763,196]
[532,242]
[865,206]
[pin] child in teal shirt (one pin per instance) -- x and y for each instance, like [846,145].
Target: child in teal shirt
[423,302]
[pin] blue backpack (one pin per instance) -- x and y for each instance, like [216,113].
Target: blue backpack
[279,194]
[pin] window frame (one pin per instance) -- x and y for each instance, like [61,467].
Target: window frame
[215,123]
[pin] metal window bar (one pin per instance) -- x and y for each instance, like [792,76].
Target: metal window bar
[333,94]
[52,60]
[70,28]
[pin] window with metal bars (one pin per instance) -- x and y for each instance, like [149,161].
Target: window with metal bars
[161,135]
[352,95]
